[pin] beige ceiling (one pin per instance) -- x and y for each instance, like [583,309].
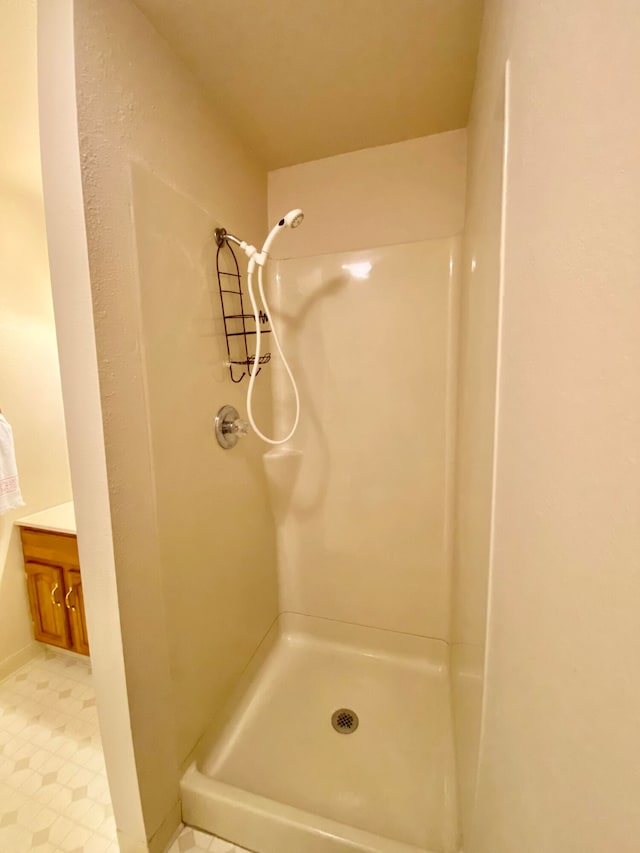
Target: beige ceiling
[304,79]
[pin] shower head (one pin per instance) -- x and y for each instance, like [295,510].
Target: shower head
[292,219]
[289,220]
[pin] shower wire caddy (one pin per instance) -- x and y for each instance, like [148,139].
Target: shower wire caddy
[240,353]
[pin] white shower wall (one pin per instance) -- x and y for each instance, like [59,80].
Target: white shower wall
[361,512]
[363,504]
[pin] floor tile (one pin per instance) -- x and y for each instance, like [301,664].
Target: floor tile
[191,840]
[220,846]
[54,794]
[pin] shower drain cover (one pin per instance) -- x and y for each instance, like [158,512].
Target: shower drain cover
[345,721]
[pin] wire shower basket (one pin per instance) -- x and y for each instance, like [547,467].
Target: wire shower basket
[239,326]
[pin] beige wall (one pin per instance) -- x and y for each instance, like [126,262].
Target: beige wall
[30,394]
[192,533]
[76,338]
[560,754]
[363,513]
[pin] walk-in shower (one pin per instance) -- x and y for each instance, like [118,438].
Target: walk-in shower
[339,737]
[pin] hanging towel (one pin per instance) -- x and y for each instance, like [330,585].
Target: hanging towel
[10,497]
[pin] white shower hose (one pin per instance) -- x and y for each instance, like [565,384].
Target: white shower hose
[256,364]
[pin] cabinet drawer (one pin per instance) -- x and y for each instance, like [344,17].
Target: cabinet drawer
[49,547]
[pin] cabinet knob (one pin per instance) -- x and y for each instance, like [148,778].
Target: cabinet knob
[54,589]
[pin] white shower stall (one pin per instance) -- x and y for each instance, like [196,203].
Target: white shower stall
[362,501]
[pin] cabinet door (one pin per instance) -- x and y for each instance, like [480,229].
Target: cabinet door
[74,603]
[46,599]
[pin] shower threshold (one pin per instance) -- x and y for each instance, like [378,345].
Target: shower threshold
[340,739]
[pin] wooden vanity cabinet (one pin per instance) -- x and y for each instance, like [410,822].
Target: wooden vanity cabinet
[54,585]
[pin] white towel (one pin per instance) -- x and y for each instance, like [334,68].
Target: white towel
[10,497]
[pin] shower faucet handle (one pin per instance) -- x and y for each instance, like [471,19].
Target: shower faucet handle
[240,427]
[229,427]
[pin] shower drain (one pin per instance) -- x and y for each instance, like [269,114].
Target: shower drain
[344,721]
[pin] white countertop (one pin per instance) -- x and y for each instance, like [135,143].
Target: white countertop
[60,519]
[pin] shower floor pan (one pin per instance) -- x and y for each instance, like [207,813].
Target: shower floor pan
[275,776]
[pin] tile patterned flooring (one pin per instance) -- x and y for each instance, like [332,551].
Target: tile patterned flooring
[191,840]
[54,794]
